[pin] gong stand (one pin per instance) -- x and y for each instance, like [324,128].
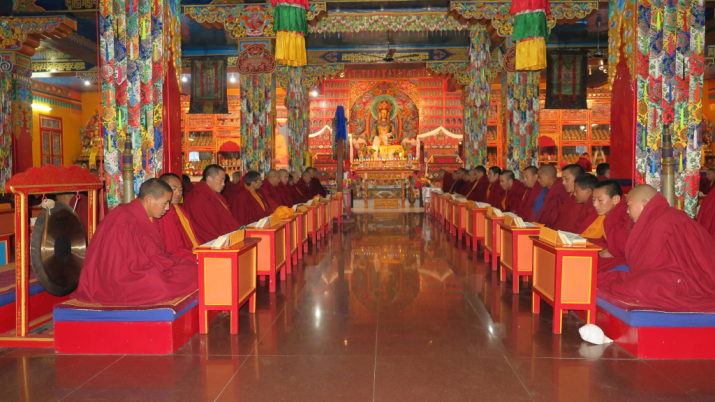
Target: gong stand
[47,179]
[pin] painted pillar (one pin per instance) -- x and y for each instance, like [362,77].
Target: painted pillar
[476,98]
[258,95]
[658,50]
[520,116]
[18,145]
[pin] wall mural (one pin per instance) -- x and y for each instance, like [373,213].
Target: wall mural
[364,114]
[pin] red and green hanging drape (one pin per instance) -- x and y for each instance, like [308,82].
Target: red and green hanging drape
[530,33]
[291,25]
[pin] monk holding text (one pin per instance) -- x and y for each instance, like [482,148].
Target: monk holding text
[547,207]
[495,193]
[175,227]
[513,191]
[250,205]
[609,202]
[207,208]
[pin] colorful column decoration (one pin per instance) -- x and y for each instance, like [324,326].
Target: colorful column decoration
[297,104]
[670,57]
[5,127]
[257,114]
[476,97]
[132,46]
[520,101]
[530,33]
[291,26]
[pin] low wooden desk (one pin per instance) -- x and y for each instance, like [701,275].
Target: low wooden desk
[336,209]
[327,217]
[492,239]
[302,219]
[271,252]
[227,279]
[315,221]
[449,216]
[475,225]
[292,241]
[517,253]
[459,217]
[442,207]
[565,277]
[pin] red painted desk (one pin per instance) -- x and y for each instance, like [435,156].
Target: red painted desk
[492,238]
[475,224]
[292,239]
[227,279]
[449,216]
[315,222]
[302,219]
[271,252]
[565,277]
[459,217]
[336,209]
[517,253]
[442,207]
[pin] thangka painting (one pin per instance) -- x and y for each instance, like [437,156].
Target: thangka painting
[208,85]
[388,110]
[566,76]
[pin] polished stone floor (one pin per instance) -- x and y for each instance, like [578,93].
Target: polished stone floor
[389,309]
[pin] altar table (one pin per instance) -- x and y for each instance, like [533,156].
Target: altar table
[565,277]
[383,176]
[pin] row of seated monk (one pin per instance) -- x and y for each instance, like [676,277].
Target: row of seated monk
[653,256]
[142,252]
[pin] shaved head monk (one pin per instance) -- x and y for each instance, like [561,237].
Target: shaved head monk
[662,271]
[547,208]
[207,208]
[293,180]
[495,193]
[609,202]
[458,177]
[269,188]
[592,226]
[529,177]
[315,186]
[303,187]
[603,171]
[230,184]
[446,178]
[513,189]
[186,183]
[127,263]
[250,205]
[708,183]
[175,227]
[572,214]
[284,190]
[479,184]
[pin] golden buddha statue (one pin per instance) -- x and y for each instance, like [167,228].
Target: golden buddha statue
[383,128]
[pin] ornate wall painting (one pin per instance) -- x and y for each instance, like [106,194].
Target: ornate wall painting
[404,110]
[208,86]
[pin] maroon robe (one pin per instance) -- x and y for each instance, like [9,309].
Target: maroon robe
[227,188]
[271,194]
[513,197]
[447,182]
[187,187]
[664,272]
[298,198]
[304,190]
[286,196]
[526,208]
[571,215]
[247,210]
[466,187]
[176,239]
[317,187]
[585,163]
[209,213]
[616,227]
[495,195]
[456,186]
[706,216]
[479,194]
[553,200]
[601,177]
[127,263]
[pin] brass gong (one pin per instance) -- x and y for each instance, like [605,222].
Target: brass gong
[57,249]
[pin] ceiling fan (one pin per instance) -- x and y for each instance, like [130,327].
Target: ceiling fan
[389,56]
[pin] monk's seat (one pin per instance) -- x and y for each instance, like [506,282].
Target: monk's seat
[649,334]
[92,328]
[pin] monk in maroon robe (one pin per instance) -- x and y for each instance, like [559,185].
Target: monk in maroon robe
[513,191]
[298,197]
[603,171]
[315,186]
[609,203]
[231,184]
[186,183]
[285,192]
[495,193]
[269,188]
[175,227]
[533,189]
[585,163]
[554,198]
[458,176]
[591,227]
[250,205]
[470,183]
[706,215]
[447,180]
[478,192]
[303,186]
[127,263]
[571,214]
[207,209]
[707,183]
[662,272]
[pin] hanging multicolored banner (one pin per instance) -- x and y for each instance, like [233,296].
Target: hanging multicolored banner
[520,97]
[566,77]
[530,33]
[257,114]
[476,97]
[5,127]
[291,26]
[298,106]
[670,56]
[132,68]
[209,93]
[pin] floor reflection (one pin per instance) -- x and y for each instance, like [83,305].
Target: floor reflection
[389,308]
